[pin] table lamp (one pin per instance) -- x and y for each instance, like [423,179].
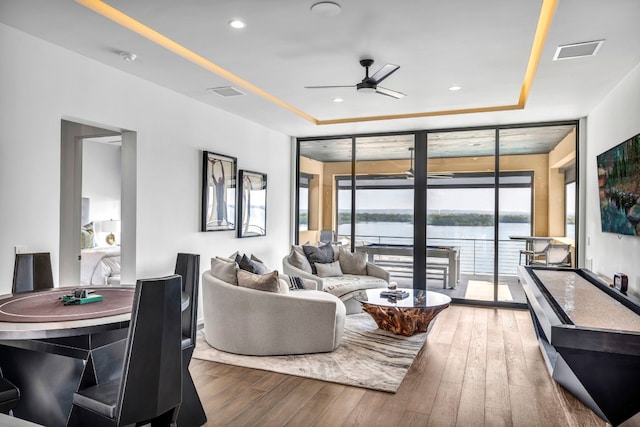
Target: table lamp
[110,227]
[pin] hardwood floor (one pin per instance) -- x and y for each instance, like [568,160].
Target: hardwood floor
[479,367]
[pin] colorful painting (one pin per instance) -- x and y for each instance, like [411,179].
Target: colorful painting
[619,188]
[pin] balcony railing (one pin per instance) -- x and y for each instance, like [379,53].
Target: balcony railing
[476,255]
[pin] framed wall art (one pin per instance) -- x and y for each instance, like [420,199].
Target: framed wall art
[252,204]
[218,192]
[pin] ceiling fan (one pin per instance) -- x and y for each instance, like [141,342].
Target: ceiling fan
[410,173]
[370,83]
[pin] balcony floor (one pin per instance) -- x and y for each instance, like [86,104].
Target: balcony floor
[478,287]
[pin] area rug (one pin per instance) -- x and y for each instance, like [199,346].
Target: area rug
[481,290]
[368,357]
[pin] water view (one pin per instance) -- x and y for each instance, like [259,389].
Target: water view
[475,241]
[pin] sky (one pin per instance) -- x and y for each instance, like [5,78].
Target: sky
[478,200]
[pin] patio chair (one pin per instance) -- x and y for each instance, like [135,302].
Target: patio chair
[555,256]
[327,236]
[535,251]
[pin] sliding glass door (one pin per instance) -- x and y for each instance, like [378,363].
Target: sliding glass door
[461,213]
[383,199]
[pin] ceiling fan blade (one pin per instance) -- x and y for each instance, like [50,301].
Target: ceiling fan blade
[389,92]
[441,175]
[384,72]
[326,87]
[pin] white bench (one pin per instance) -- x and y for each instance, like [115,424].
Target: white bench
[438,272]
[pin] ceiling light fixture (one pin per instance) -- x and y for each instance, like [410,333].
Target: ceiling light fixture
[128,56]
[337,100]
[326,8]
[454,88]
[237,23]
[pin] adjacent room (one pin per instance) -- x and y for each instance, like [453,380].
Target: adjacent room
[320,213]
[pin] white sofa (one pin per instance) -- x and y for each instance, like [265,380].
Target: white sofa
[344,286]
[254,322]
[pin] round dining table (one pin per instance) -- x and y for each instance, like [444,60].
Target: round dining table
[48,349]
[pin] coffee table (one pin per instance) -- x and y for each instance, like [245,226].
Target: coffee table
[407,316]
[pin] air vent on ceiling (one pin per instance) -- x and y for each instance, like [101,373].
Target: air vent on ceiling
[577,50]
[225,91]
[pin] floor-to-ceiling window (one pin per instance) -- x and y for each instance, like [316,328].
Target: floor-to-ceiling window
[487,190]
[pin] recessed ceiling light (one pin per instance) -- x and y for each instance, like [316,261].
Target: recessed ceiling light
[326,8]
[128,56]
[237,23]
[454,88]
[338,99]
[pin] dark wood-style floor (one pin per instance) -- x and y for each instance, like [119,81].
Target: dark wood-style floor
[479,367]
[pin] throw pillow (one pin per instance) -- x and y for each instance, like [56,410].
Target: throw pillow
[266,282]
[88,236]
[299,261]
[256,259]
[252,266]
[318,255]
[331,269]
[353,263]
[225,270]
[295,283]
[336,250]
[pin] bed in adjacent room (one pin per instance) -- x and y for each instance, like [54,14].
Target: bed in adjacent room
[100,266]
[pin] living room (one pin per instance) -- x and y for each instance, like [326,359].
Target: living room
[44,84]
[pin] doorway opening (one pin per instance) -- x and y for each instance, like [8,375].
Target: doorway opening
[97,205]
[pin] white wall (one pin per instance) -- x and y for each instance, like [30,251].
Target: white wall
[614,120]
[43,84]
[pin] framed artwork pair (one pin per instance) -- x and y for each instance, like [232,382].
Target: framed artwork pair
[227,201]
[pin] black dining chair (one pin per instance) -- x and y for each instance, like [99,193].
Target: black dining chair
[149,389]
[9,395]
[32,272]
[191,411]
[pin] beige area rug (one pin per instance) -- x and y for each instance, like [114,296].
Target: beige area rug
[368,357]
[482,290]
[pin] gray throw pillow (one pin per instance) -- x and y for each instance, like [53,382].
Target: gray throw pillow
[353,263]
[251,266]
[331,269]
[266,282]
[225,270]
[299,261]
[318,255]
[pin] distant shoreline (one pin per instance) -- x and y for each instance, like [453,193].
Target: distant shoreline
[460,219]
[476,219]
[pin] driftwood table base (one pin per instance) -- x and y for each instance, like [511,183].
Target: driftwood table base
[401,320]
